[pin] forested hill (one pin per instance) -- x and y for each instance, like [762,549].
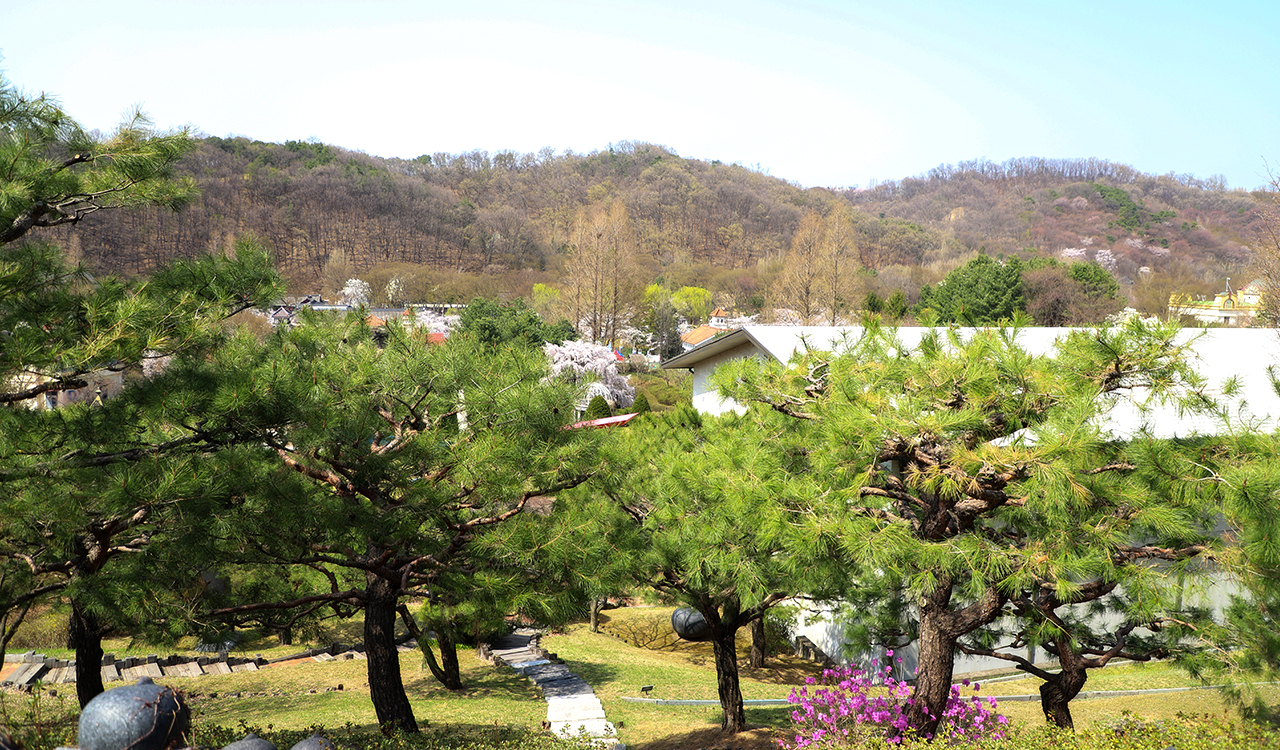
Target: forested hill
[329,213]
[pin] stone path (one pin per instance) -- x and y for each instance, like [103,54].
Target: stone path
[572,706]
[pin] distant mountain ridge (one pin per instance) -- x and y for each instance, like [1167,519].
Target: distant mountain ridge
[323,209]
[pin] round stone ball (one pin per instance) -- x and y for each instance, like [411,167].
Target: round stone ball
[690,625]
[145,716]
[251,741]
[315,742]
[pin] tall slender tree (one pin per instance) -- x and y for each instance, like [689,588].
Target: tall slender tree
[601,286]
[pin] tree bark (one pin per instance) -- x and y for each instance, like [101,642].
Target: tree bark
[759,646]
[1056,693]
[724,644]
[933,677]
[386,688]
[447,670]
[449,675]
[84,634]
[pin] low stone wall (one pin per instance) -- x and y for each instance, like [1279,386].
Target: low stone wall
[35,667]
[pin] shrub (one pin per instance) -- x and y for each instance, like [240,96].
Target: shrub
[641,405]
[598,408]
[848,710]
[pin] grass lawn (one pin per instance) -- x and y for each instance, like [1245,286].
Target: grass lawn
[335,694]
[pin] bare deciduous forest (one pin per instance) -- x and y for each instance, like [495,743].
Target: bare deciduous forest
[455,226]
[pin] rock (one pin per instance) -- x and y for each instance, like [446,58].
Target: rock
[145,716]
[690,625]
[251,741]
[315,742]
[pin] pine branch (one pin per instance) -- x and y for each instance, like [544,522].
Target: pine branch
[352,596]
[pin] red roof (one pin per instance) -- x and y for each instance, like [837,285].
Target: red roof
[700,334]
[604,421]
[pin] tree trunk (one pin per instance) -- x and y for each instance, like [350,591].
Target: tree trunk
[286,636]
[595,615]
[84,634]
[386,688]
[933,676]
[1056,693]
[449,675]
[724,644]
[447,670]
[759,646]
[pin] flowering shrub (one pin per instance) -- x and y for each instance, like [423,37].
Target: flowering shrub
[847,708]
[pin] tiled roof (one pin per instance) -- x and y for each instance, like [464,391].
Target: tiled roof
[700,334]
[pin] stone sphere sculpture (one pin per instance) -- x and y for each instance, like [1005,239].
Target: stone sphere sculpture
[315,742]
[251,741]
[145,716]
[690,625]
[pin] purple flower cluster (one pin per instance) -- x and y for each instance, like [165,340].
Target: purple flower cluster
[846,708]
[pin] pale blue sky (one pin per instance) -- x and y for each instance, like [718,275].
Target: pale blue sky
[816,92]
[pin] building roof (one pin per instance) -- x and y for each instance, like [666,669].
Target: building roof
[621,419]
[700,334]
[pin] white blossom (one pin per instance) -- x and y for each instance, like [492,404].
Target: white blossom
[355,292]
[435,322]
[587,365]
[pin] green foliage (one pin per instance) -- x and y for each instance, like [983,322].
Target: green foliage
[694,303]
[981,292]
[494,323]
[53,172]
[896,306]
[598,408]
[970,474]
[659,319]
[1097,281]
[641,404]
[42,630]
[696,509]
[665,388]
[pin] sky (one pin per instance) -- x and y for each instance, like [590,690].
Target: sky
[817,92]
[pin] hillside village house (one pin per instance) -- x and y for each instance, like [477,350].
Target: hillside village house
[1231,307]
[1220,354]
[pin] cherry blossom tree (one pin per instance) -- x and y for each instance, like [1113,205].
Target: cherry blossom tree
[590,364]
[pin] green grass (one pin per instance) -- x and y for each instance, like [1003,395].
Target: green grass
[293,698]
[664,388]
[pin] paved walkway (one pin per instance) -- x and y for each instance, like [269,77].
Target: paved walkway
[572,706]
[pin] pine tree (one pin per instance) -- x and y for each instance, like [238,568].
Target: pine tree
[707,512]
[979,477]
[88,490]
[53,172]
[387,468]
